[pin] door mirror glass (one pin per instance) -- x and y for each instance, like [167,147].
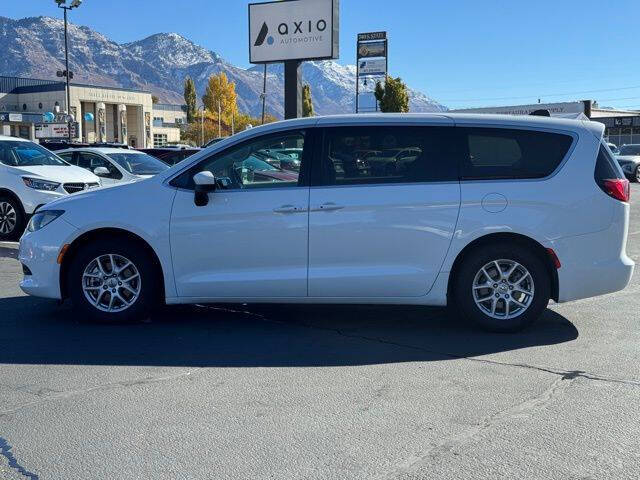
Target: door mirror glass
[101,171]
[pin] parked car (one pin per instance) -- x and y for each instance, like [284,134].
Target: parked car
[115,165]
[31,176]
[279,160]
[213,141]
[61,144]
[614,148]
[170,155]
[629,160]
[488,218]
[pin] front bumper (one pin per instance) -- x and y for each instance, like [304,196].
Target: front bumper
[39,253]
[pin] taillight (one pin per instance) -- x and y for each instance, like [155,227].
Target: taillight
[617,188]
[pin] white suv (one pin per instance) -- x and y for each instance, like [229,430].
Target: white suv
[494,215]
[114,165]
[31,176]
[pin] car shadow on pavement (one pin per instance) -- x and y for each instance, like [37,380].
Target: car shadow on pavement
[37,331]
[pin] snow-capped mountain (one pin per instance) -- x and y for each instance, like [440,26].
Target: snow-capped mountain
[33,47]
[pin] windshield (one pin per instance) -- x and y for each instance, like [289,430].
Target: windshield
[27,154]
[630,150]
[138,163]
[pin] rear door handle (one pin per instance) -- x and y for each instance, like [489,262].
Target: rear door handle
[288,209]
[327,207]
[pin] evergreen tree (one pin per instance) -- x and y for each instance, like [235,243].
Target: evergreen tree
[393,96]
[220,92]
[307,103]
[190,99]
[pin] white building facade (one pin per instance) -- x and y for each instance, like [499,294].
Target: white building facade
[103,114]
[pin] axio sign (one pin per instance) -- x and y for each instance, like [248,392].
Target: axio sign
[293,30]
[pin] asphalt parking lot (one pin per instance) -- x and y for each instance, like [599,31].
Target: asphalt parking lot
[320,392]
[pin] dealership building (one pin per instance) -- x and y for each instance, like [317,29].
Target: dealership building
[622,127]
[34,109]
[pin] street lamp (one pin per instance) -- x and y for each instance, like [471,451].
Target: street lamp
[63,4]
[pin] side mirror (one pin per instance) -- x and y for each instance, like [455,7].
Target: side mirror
[205,182]
[101,171]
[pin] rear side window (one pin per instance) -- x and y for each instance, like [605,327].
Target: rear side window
[497,153]
[606,167]
[387,154]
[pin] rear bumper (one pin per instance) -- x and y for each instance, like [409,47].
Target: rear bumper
[596,263]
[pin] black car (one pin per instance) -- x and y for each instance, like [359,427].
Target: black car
[169,155]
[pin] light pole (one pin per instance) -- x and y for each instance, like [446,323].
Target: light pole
[201,110]
[63,4]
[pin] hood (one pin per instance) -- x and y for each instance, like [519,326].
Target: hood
[628,158]
[58,173]
[88,195]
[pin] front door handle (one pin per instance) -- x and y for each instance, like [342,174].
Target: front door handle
[327,207]
[288,209]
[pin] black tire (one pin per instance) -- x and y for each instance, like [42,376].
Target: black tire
[148,295]
[12,219]
[482,256]
[636,177]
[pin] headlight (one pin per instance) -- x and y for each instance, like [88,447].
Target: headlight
[38,184]
[43,218]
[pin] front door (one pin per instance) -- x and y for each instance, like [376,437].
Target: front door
[250,240]
[383,211]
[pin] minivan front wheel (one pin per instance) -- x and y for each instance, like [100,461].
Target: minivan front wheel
[502,288]
[112,282]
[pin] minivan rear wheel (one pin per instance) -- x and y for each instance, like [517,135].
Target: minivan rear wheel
[112,282]
[502,288]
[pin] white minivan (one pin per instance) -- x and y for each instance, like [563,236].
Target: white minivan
[494,215]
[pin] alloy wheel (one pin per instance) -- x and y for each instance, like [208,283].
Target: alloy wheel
[503,289]
[111,283]
[8,218]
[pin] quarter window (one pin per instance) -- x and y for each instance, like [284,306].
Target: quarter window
[495,153]
[374,155]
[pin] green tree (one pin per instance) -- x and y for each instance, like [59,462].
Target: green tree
[307,103]
[190,98]
[154,99]
[221,93]
[393,96]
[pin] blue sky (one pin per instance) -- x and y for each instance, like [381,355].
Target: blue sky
[461,53]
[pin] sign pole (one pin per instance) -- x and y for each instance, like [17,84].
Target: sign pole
[292,89]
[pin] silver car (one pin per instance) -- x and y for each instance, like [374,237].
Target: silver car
[629,160]
[114,165]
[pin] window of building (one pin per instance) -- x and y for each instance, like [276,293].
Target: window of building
[372,155]
[159,139]
[507,153]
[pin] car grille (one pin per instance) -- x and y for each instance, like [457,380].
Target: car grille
[73,187]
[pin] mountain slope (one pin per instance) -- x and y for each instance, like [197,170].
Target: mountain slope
[33,47]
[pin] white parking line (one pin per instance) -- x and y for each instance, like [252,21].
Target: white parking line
[9,244]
